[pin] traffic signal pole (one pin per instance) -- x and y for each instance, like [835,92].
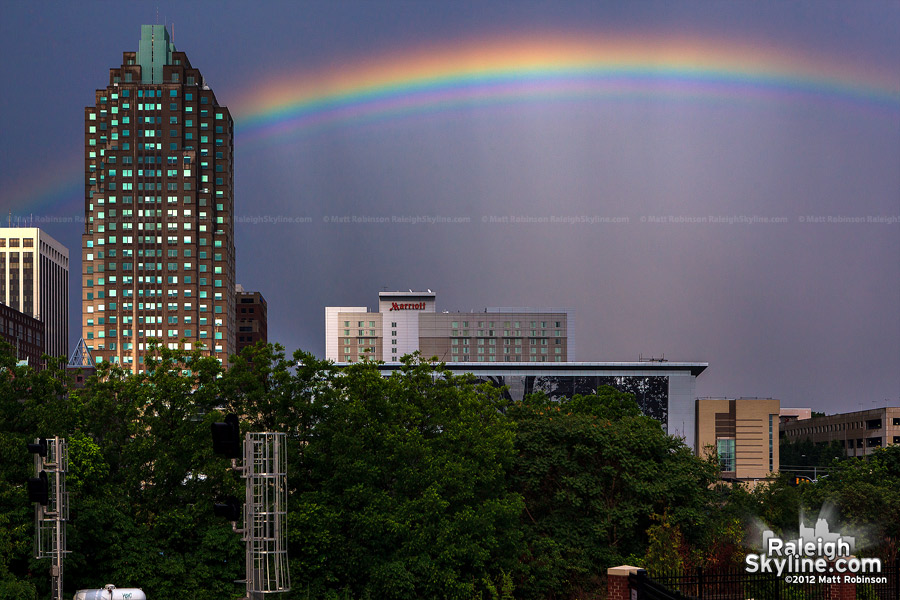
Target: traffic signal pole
[264,471]
[51,510]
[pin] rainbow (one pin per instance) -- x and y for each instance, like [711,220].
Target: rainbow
[515,70]
[508,70]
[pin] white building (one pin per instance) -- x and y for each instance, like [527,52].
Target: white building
[408,321]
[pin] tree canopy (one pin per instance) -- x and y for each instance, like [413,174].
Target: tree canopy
[419,484]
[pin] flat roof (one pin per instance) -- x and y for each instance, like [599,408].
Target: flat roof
[560,368]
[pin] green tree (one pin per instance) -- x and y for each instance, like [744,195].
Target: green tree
[593,471]
[403,491]
[866,494]
[32,404]
[142,481]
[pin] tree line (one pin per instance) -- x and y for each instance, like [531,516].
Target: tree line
[422,484]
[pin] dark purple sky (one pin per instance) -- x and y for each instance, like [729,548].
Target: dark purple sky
[805,312]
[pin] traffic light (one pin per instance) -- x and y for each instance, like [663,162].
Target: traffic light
[39,489]
[39,448]
[229,509]
[797,480]
[227,437]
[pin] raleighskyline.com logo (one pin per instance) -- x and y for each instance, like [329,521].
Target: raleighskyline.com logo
[816,556]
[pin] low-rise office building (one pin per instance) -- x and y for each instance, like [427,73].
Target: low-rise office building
[859,433]
[251,310]
[663,390]
[24,333]
[744,434]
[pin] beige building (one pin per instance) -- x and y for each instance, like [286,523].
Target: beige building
[744,434]
[408,321]
[34,280]
[859,433]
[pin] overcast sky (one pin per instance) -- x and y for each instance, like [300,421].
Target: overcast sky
[792,117]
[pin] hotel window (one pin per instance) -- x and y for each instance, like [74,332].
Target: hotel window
[394,324]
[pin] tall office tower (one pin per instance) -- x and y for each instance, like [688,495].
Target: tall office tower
[34,280]
[158,243]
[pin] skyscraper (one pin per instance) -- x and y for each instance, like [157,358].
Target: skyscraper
[34,280]
[158,243]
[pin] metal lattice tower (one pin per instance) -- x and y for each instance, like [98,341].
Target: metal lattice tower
[265,507]
[50,520]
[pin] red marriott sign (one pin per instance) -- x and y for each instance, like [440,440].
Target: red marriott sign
[408,306]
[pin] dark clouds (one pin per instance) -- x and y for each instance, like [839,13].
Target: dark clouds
[806,312]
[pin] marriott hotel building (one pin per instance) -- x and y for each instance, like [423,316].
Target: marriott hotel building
[408,321]
[521,351]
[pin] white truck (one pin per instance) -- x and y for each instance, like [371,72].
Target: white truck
[111,592]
